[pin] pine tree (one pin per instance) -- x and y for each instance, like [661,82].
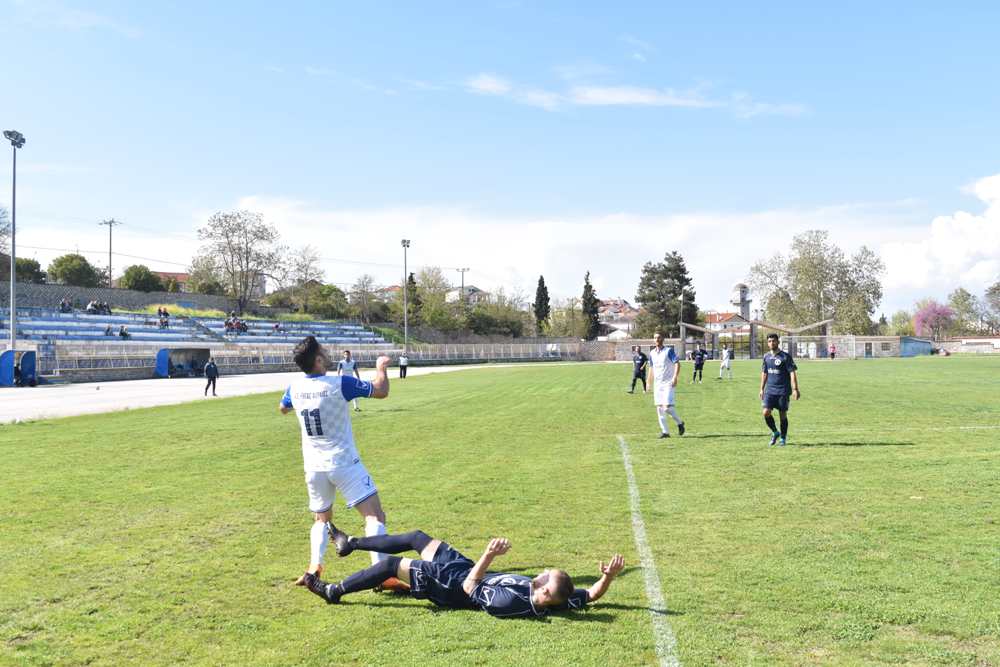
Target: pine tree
[589,304]
[659,293]
[541,306]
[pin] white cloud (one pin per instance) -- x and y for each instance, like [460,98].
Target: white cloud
[636,96]
[957,249]
[488,84]
[744,106]
[638,56]
[54,14]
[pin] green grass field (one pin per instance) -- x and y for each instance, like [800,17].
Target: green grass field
[171,535]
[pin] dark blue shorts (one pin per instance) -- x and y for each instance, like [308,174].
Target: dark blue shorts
[440,580]
[776,402]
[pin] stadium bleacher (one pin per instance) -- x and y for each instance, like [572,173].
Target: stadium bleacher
[51,326]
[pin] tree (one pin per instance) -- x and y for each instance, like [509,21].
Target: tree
[246,249]
[589,304]
[818,282]
[29,271]
[74,269]
[432,295]
[139,277]
[304,277]
[412,300]
[366,303]
[932,319]
[329,302]
[4,242]
[902,324]
[205,277]
[500,315]
[171,285]
[967,310]
[567,319]
[541,307]
[991,307]
[660,287]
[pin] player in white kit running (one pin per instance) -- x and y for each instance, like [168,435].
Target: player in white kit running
[664,369]
[347,366]
[330,457]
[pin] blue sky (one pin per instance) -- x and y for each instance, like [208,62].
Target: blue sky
[515,138]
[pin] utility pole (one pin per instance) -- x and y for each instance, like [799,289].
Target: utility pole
[406,288]
[111,224]
[462,292]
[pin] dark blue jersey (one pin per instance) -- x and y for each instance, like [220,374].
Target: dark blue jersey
[639,363]
[699,357]
[779,367]
[509,596]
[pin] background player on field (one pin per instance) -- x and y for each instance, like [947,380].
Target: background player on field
[330,457]
[448,579]
[778,381]
[664,369]
[727,361]
[639,360]
[347,366]
[698,357]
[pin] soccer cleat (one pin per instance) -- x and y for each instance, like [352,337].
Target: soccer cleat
[781,443]
[329,592]
[341,540]
[301,581]
[630,392]
[680,429]
[664,435]
[357,409]
[774,439]
[393,585]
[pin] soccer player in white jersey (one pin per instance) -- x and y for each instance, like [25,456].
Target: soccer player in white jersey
[347,366]
[727,361]
[664,369]
[330,456]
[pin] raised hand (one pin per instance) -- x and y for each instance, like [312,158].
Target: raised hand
[498,546]
[382,363]
[613,567]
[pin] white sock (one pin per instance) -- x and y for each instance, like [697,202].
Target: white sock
[672,411]
[375,527]
[355,404]
[661,415]
[318,539]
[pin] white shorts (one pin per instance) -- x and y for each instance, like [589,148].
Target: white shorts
[353,481]
[727,364]
[663,394]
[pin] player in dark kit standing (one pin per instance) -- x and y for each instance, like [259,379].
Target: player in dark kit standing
[211,374]
[448,579]
[698,357]
[778,382]
[639,360]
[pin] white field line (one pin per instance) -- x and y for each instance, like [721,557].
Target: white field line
[666,642]
[901,428]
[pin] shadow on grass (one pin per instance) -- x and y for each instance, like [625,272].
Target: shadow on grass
[706,436]
[884,443]
[632,607]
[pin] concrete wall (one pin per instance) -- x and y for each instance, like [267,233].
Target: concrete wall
[49,296]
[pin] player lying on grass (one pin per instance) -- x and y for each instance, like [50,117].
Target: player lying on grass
[449,579]
[329,454]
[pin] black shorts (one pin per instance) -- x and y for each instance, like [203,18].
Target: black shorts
[776,402]
[440,580]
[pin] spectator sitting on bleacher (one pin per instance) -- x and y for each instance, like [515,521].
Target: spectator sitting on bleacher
[278,329]
[164,323]
[65,306]
[108,331]
[159,313]
[123,332]
[92,308]
[105,308]
[166,315]
[243,326]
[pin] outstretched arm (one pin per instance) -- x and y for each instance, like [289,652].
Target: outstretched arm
[380,385]
[497,547]
[608,573]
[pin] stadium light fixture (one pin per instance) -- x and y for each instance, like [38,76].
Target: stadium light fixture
[16,140]
[406,323]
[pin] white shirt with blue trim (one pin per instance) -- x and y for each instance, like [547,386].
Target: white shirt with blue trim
[662,362]
[321,404]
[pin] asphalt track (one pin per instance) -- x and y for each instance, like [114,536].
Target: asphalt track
[68,400]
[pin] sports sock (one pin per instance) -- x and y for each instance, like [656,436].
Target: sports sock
[769,420]
[374,528]
[393,544]
[318,539]
[355,404]
[661,415]
[370,578]
[784,427]
[672,411]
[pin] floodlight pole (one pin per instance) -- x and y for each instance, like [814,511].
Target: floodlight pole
[16,141]
[406,288]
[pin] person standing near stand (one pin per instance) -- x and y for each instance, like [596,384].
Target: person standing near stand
[403,363]
[211,374]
